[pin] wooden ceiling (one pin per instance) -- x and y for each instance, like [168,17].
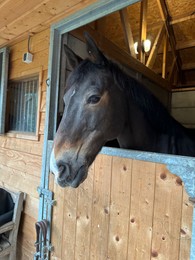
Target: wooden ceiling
[152,19]
[178,19]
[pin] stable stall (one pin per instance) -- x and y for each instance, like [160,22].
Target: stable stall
[134,204]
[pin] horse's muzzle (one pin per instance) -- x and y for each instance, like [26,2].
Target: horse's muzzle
[69,177]
[66,174]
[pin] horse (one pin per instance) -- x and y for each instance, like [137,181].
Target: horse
[104,103]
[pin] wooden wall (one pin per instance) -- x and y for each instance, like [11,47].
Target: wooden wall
[21,159]
[183,107]
[126,209]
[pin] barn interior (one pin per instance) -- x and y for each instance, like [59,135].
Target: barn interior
[149,199]
[168,25]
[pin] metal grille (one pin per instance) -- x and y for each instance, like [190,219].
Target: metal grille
[23,97]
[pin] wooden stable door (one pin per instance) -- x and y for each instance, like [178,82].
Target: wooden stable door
[125,210]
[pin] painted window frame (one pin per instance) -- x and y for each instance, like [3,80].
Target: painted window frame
[3,86]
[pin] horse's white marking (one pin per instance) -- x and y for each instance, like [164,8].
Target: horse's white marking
[74,91]
[53,165]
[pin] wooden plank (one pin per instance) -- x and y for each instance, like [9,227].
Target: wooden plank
[20,181]
[188,66]
[40,18]
[141,212]
[38,43]
[23,253]
[165,50]
[26,163]
[155,47]
[31,206]
[44,83]
[69,223]
[183,19]
[42,123]
[186,227]
[11,11]
[119,208]
[167,215]
[84,218]
[27,234]
[58,221]
[127,31]
[143,28]
[43,101]
[101,207]
[21,145]
[171,71]
[21,69]
[162,9]
[185,44]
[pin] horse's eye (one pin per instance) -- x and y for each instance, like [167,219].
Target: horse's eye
[93,99]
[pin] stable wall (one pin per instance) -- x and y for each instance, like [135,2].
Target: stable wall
[183,107]
[125,209]
[21,159]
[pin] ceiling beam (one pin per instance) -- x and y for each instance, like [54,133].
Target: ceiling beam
[182,19]
[143,29]
[188,66]
[185,45]
[166,18]
[127,31]
[185,66]
[155,47]
[171,70]
[165,51]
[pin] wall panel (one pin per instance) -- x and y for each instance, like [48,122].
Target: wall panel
[21,159]
[183,107]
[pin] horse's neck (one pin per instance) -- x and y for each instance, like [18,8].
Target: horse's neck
[137,133]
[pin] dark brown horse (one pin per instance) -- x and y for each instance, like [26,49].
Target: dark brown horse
[103,103]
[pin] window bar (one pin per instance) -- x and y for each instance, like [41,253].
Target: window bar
[11,95]
[28,107]
[18,109]
[20,106]
[14,110]
[24,106]
[10,106]
[33,106]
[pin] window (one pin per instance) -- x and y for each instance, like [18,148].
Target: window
[23,105]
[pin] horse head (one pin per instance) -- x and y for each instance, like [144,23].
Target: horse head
[92,116]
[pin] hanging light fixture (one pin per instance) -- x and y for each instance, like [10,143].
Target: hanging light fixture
[136,47]
[146,45]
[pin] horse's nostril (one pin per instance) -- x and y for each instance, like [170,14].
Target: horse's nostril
[64,171]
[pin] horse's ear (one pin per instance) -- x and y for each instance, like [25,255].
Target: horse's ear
[72,58]
[94,52]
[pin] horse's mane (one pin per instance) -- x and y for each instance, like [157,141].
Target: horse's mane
[154,110]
